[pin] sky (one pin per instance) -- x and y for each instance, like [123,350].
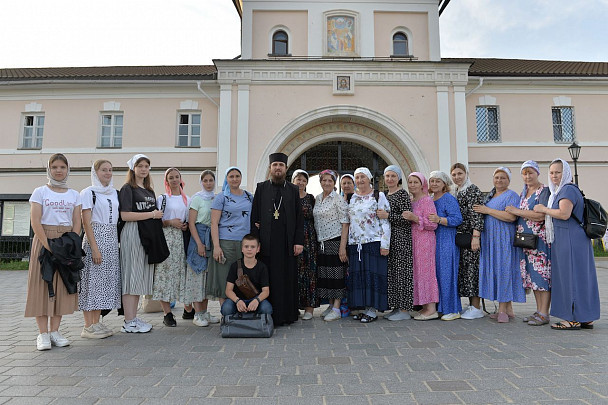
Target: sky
[43,33]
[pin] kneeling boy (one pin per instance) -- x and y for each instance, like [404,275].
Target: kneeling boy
[257,273]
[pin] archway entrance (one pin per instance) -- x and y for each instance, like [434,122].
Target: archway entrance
[341,156]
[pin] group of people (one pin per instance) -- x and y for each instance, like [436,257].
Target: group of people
[422,249]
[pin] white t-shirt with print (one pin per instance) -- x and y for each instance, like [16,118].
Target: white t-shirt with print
[57,208]
[175,207]
[105,209]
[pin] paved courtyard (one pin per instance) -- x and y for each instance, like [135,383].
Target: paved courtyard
[311,362]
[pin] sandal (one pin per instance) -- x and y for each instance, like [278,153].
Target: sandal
[528,318]
[587,325]
[367,319]
[538,320]
[495,315]
[357,317]
[566,325]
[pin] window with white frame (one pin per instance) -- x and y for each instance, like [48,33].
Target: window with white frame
[33,129]
[111,130]
[488,126]
[189,129]
[280,43]
[563,124]
[400,45]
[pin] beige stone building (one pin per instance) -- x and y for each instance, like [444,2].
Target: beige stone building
[334,84]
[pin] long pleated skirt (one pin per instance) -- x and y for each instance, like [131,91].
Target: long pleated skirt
[137,274]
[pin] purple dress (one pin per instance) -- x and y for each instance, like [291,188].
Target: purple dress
[499,276]
[574,291]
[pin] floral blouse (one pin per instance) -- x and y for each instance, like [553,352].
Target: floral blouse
[330,213]
[365,226]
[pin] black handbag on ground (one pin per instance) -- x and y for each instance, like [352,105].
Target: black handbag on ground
[525,240]
[247,325]
[463,240]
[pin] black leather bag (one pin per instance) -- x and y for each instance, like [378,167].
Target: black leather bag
[247,325]
[463,240]
[525,240]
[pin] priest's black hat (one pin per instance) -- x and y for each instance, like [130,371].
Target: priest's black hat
[278,157]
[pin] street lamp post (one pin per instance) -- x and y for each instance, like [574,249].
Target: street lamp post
[575,151]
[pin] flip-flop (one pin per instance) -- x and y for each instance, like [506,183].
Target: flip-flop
[587,325]
[368,319]
[566,326]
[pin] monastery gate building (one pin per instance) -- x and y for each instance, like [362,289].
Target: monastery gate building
[333,84]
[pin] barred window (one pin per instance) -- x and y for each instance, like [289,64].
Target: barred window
[488,129]
[563,124]
[111,131]
[189,129]
[33,129]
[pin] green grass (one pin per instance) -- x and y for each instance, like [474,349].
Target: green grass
[598,251]
[14,265]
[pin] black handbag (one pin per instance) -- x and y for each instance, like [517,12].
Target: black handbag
[525,240]
[463,240]
[247,325]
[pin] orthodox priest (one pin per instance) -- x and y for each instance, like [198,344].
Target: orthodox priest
[276,218]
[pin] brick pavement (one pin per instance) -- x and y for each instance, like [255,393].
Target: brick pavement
[311,362]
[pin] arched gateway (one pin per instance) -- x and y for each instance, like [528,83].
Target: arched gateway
[347,135]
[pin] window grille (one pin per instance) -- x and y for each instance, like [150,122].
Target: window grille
[563,124]
[488,129]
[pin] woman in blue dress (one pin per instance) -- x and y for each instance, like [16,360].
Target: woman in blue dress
[534,264]
[574,289]
[499,276]
[447,254]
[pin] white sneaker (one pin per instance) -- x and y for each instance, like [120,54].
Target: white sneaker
[200,320]
[332,316]
[326,312]
[102,326]
[58,340]
[210,318]
[393,312]
[472,313]
[307,316]
[450,317]
[93,332]
[43,341]
[145,326]
[399,316]
[133,327]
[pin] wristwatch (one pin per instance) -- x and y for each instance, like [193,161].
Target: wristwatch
[258,298]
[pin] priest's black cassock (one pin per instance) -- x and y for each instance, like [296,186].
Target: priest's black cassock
[277,235]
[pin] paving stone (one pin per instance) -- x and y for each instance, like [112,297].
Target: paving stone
[453,385]
[346,400]
[333,360]
[436,398]
[234,391]
[570,352]
[60,380]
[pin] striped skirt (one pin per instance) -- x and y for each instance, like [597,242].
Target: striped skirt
[137,274]
[331,272]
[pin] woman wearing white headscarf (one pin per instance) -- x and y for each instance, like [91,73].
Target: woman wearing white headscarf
[400,260]
[468,194]
[368,247]
[574,289]
[55,209]
[448,217]
[499,276]
[100,286]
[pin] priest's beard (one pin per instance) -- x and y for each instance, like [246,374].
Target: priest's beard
[277,179]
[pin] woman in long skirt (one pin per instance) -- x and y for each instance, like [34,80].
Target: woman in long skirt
[100,278]
[55,209]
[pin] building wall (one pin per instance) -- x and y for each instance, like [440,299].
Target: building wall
[295,23]
[417,30]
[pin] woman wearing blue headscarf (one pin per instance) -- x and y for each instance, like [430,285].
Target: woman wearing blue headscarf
[230,222]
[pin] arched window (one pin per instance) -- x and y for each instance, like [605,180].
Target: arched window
[400,47]
[280,43]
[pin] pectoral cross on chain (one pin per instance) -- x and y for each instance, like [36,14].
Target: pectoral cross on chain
[276,214]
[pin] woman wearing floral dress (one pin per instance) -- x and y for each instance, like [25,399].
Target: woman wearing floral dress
[534,264]
[447,254]
[171,273]
[400,265]
[368,247]
[499,276]
[331,218]
[468,194]
[426,290]
[307,261]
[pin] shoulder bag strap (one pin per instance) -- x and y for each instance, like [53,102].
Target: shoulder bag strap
[163,204]
[239,268]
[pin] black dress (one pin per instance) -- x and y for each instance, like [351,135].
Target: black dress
[400,260]
[278,236]
[468,268]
